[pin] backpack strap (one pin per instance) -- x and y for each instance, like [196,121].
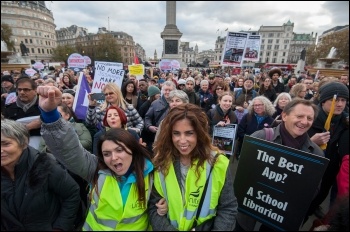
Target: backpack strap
[268,134]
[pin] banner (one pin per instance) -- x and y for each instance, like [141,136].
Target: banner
[224,138]
[165,65]
[252,48]
[76,62]
[39,65]
[30,72]
[87,60]
[106,72]
[275,184]
[81,101]
[233,52]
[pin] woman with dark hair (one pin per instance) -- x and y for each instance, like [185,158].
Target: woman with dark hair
[222,114]
[36,193]
[219,89]
[67,82]
[120,173]
[185,160]
[129,91]
[266,89]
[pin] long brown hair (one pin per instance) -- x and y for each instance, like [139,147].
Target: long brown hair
[164,149]
[138,152]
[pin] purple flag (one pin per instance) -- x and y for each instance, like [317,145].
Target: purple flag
[81,101]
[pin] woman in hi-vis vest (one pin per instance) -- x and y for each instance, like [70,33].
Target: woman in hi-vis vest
[121,173]
[183,159]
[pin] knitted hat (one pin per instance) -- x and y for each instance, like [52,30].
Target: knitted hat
[181,82]
[211,75]
[121,113]
[70,91]
[190,79]
[249,79]
[7,78]
[275,70]
[153,90]
[161,81]
[328,90]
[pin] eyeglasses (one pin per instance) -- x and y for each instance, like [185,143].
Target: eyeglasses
[111,93]
[181,85]
[26,90]
[258,105]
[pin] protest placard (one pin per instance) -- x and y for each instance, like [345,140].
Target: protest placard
[233,52]
[224,138]
[76,62]
[275,184]
[252,48]
[106,72]
[137,69]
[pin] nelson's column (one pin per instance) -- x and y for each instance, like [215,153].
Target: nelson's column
[171,35]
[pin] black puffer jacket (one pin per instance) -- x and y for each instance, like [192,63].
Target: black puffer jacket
[42,196]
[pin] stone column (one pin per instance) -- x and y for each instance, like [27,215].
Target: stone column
[170,12]
[171,35]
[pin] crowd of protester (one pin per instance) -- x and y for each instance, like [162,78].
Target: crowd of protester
[130,147]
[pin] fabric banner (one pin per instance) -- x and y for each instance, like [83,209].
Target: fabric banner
[81,101]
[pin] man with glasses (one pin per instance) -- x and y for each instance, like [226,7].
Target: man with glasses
[26,105]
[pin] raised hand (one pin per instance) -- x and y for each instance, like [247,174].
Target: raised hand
[49,97]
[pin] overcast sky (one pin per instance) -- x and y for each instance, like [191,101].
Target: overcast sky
[197,20]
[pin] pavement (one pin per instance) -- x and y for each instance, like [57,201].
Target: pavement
[306,227]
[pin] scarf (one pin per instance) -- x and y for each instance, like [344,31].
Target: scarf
[289,141]
[24,106]
[259,118]
[222,114]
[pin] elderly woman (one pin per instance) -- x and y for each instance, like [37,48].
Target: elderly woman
[36,193]
[259,115]
[281,101]
[176,97]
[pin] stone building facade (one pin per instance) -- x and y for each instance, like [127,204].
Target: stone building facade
[32,23]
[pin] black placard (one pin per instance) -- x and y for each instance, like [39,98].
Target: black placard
[275,184]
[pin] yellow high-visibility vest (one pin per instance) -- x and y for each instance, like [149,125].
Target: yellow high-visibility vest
[106,211]
[182,212]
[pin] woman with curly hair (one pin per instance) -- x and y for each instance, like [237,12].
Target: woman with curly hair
[129,91]
[259,115]
[184,156]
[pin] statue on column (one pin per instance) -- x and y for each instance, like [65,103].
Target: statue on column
[303,54]
[23,49]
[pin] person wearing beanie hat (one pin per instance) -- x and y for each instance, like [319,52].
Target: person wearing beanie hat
[68,96]
[181,84]
[327,137]
[328,90]
[153,90]
[275,74]
[7,78]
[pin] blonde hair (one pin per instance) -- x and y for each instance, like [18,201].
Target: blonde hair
[116,90]
[296,89]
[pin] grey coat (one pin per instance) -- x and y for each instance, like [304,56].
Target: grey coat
[63,141]
[248,223]
[226,210]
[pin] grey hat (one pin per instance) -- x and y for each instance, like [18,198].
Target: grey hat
[70,91]
[328,90]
